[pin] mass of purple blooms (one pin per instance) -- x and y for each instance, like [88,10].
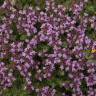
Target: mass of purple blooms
[45,41]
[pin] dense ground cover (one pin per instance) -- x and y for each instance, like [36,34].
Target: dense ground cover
[47,48]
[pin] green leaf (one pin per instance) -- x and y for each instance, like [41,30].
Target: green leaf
[64,45]
[1,2]
[23,37]
[88,54]
[90,9]
[84,87]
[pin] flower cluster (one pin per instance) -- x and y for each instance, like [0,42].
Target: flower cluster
[48,48]
[6,77]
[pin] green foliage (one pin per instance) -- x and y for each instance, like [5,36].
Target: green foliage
[34,3]
[23,37]
[90,8]
[43,46]
[1,2]
[56,81]
[15,92]
[63,39]
[84,87]
[22,3]
[17,35]
[17,88]
[90,32]
[88,54]
[65,2]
